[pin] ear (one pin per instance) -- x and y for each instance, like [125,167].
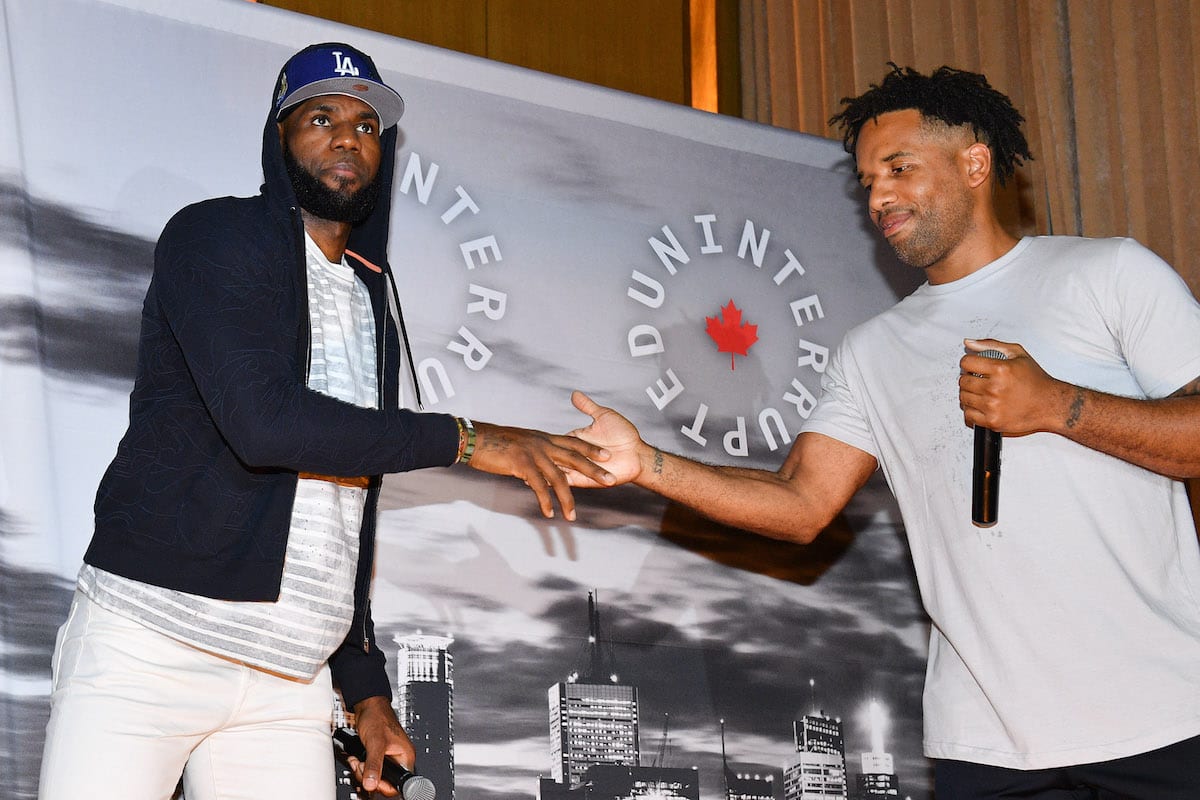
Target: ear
[977,160]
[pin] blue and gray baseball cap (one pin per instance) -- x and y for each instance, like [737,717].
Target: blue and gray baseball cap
[334,68]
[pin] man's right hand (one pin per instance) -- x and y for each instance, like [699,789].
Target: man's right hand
[615,434]
[793,503]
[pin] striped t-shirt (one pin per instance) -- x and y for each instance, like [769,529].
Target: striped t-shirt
[295,634]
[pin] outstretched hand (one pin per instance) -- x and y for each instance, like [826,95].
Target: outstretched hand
[616,435]
[542,460]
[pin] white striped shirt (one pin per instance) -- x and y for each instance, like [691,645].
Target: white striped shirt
[295,634]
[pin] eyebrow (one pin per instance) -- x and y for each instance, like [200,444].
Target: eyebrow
[889,159]
[368,114]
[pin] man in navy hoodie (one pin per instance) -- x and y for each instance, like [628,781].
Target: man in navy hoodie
[226,585]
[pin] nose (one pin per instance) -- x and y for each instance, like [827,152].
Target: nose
[879,197]
[345,137]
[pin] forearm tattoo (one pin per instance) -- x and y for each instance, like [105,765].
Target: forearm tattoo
[1188,390]
[1076,409]
[658,462]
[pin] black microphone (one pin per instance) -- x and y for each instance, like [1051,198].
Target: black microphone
[985,480]
[411,786]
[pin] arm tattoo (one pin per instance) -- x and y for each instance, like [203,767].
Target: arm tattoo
[658,462]
[1188,389]
[1076,409]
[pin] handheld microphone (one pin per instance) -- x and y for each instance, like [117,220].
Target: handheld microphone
[411,786]
[985,479]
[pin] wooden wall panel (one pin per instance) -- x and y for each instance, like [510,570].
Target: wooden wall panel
[631,45]
[454,24]
[639,46]
[729,57]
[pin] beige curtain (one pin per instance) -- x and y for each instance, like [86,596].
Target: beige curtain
[1108,87]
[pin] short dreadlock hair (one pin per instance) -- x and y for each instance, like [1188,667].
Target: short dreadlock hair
[952,96]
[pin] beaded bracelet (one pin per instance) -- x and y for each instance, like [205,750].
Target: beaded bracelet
[466,440]
[462,439]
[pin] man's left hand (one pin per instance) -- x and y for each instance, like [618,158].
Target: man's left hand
[1014,395]
[381,734]
[542,460]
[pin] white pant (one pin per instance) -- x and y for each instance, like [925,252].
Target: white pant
[132,709]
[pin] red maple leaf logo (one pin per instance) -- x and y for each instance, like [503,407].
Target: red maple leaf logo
[731,334]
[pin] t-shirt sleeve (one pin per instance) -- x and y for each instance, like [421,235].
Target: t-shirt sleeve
[1155,318]
[839,413]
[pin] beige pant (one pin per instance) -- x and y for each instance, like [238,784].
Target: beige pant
[132,710]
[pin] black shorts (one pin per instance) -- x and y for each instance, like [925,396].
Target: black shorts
[1171,773]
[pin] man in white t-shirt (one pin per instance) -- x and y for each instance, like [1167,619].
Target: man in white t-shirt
[1065,643]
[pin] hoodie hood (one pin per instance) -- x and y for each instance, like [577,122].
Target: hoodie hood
[369,238]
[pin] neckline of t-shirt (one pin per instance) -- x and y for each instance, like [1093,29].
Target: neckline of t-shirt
[340,269]
[981,274]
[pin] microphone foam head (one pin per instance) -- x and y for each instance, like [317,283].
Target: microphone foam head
[418,788]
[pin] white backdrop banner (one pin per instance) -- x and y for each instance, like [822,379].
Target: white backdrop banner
[547,235]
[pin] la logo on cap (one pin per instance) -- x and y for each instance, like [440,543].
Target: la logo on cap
[343,65]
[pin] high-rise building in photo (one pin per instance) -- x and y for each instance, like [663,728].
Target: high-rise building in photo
[819,771]
[749,786]
[742,786]
[425,705]
[347,786]
[593,716]
[878,778]
[609,781]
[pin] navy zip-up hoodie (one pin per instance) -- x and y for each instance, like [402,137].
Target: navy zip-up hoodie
[199,495]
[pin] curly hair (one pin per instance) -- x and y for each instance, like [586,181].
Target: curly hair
[952,96]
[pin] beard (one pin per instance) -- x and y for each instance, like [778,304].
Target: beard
[924,247]
[935,234]
[335,205]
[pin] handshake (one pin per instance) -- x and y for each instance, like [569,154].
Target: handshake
[605,453]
